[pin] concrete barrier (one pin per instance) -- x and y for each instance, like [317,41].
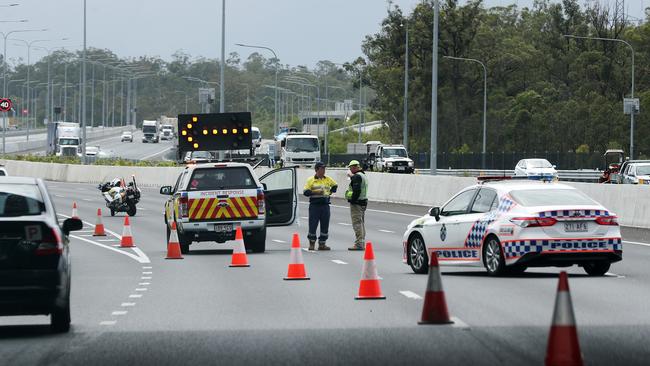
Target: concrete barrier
[630,202]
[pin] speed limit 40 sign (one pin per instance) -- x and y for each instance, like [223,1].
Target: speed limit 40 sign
[5,105]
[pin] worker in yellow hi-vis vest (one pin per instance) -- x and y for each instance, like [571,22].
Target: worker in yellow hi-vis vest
[319,188]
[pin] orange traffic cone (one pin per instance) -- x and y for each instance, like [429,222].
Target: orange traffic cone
[239,258]
[99,226]
[127,238]
[369,287]
[74,211]
[173,247]
[296,269]
[563,346]
[434,310]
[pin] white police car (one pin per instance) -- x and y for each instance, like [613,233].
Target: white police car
[508,226]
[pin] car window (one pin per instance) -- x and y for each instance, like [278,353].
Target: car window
[484,201]
[278,180]
[20,200]
[551,197]
[221,178]
[178,181]
[2,173]
[643,170]
[459,204]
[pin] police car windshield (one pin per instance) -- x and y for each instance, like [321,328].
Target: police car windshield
[538,163]
[305,144]
[643,170]
[550,197]
[207,179]
[391,153]
[68,142]
[20,200]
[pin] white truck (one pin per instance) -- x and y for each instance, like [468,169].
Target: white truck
[150,131]
[388,158]
[167,132]
[298,149]
[64,139]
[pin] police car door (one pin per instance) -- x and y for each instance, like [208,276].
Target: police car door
[450,234]
[473,225]
[280,196]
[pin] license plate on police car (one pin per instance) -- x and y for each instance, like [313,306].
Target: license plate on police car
[223,228]
[575,227]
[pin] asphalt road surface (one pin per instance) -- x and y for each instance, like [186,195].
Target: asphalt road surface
[133,306]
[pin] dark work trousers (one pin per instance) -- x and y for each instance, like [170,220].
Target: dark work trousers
[319,212]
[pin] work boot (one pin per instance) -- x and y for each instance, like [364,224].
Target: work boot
[356,247]
[312,244]
[322,246]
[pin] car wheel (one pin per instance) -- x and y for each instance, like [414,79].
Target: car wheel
[493,259]
[596,268]
[183,241]
[132,210]
[60,318]
[255,240]
[417,252]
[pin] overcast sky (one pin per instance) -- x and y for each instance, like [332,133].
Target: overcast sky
[302,32]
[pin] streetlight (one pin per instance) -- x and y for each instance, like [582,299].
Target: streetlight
[222,93]
[632,88]
[484,101]
[50,90]
[4,73]
[275,126]
[434,91]
[246,85]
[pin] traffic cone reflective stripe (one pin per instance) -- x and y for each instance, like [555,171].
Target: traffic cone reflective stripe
[99,226]
[369,286]
[563,345]
[434,310]
[239,258]
[127,238]
[74,215]
[296,269]
[173,247]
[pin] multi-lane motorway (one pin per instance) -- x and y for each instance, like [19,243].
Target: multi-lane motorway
[133,306]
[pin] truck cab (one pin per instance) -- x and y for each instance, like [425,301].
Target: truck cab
[391,158]
[299,149]
[150,131]
[167,132]
[67,139]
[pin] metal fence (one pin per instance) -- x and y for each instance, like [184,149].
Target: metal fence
[493,160]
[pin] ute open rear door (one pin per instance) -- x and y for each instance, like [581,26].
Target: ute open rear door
[281,196]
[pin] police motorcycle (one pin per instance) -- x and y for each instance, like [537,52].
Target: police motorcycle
[121,198]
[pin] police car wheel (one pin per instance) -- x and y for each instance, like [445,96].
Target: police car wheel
[493,259]
[417,252]
[596,268]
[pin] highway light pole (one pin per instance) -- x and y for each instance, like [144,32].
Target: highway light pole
[275,125]
[405,134]
[484,101]
[83,94]
[434,92]
[222,94]
[632,88]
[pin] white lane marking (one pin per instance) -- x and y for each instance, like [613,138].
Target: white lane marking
[121,312]
[147,272]
[135,296]
[279,241]
[636,243]
[379,211]
[304,217]
[145,278]
[58,195]
[107,241]
[85,231]
[147,267]
[459,323]
[108,322]
[144,283]
[155,154]
[127,304]
[387,231]
[411,295]
[87,199]
[87,235]
[116,245]
[338,261]
[141,289]
[142,209]
[309,251]
[141,256]
[610,274]
[345,224]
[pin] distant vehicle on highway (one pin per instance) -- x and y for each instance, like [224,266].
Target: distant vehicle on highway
[209,201]
[508,226]
[150,131]
[126,136]
[3,171]
[257,137]
[635,172]
[92,151]
[64,139]
[167,132]
[34,259]
[536,169]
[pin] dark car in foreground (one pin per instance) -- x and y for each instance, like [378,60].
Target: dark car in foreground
[34,259]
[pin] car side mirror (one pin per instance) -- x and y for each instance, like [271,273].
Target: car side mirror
[435,212]
[166,190]
[264,187]
[554,166]
[71,224]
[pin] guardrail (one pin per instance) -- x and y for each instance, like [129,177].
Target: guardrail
[585,176]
